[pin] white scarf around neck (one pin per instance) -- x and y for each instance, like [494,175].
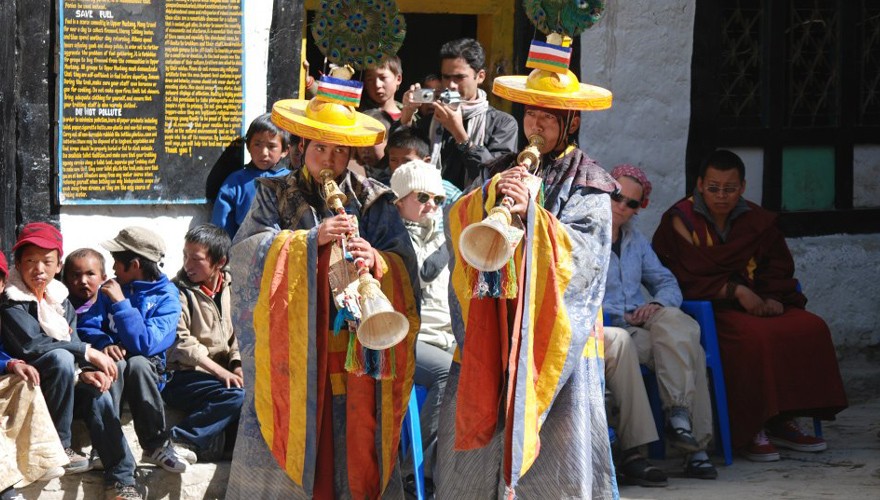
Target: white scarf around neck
[473,113]
[50,311]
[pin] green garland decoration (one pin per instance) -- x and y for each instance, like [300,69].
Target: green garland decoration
[567,17]
[360,33]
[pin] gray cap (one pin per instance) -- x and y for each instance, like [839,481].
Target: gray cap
[139,240]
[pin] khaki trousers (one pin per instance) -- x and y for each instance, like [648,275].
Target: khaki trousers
[669,344]
[29,444]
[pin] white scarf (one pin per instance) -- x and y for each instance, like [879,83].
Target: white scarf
[473,114]
[50,311]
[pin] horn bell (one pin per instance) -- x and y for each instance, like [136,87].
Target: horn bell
[381,327]
[485,246]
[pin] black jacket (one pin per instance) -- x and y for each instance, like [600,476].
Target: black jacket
[461,167]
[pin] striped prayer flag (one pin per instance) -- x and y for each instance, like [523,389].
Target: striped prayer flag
[549,57]
[346,92]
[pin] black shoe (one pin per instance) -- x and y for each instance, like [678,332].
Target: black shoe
[636,470]
[683,439]
[700,469]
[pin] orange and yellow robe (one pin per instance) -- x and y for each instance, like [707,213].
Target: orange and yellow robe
[309,428]
[523,414]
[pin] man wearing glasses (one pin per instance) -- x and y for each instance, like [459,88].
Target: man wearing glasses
[779,360]
[657,334]
[464,135]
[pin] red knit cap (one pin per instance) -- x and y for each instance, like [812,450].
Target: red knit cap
[637,174]
[4,266]
[42,235]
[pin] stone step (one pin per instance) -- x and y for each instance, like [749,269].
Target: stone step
[200,481]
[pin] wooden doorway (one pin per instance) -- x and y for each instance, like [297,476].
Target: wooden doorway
[430,24]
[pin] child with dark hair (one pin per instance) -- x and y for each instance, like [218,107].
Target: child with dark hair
[268,145]
[83,272]
[29,448]
[208,380]
[381,84]
[134,321]
[39,328]
[371,158]
[404,146]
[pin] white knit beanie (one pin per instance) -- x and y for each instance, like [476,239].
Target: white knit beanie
[417,175]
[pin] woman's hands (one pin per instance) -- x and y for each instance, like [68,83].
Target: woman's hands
[642,314]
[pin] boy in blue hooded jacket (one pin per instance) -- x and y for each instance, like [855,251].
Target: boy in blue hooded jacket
[134,321]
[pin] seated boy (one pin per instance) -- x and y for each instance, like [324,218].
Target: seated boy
[39,327]
[268,145]
[83,274]
[134,321]
[208,379]
[29,446]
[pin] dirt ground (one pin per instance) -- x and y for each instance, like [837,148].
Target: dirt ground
[849,468]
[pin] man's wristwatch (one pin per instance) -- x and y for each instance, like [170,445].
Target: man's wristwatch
[464,146]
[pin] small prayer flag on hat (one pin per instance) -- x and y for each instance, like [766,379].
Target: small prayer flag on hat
[547,56]
[345,92]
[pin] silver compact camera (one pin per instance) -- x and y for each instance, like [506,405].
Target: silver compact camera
[444,96]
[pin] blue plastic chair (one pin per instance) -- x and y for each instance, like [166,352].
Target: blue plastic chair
[701,310]
[411,437]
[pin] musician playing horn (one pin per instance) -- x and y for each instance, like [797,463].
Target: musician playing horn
[323,414]
[524,400]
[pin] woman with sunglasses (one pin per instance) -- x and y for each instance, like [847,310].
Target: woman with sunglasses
[779,360]
[657,334]
[524,398]
[419,189]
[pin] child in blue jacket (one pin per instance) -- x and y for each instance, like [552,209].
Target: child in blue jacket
[134,321]
[268,145]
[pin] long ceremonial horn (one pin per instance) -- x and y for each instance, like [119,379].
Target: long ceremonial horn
[381,327]
[485,245]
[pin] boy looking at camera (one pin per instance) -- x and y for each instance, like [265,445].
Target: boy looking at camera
[39,327]
[268,145]
[381,83]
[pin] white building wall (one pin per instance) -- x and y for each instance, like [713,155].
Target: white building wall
[641,51]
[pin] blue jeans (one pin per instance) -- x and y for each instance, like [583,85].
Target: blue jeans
[210,404]
[432,369]
[96,409]
[138,384]
[57,379]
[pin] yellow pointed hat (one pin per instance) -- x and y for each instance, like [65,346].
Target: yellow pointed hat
[330,116]
[551,84]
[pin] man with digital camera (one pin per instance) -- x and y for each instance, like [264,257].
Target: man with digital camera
[465,130]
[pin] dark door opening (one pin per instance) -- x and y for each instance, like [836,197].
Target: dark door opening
[425,33]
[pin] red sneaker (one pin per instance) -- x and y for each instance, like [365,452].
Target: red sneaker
[761,450]
[790,435]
